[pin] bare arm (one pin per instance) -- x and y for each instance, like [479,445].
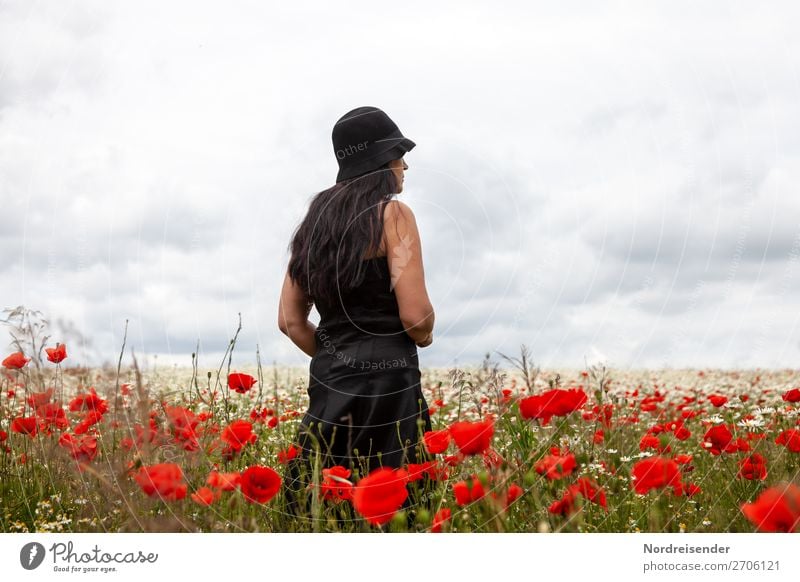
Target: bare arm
[293,311]
[404,254]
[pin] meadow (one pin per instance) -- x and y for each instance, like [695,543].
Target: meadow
[515,448]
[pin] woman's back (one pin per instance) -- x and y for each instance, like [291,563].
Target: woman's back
[362,331]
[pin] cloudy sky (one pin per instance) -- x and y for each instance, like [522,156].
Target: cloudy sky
[601,183]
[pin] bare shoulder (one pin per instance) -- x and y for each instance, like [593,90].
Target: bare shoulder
[398,212]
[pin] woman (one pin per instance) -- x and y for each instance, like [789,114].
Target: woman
[357,256]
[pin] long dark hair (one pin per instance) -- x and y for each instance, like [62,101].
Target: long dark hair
[343,226]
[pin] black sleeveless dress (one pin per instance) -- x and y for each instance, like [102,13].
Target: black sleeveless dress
[366,406]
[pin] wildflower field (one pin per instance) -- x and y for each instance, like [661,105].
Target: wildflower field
[514,449]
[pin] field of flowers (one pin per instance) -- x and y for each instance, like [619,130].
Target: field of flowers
[514,449]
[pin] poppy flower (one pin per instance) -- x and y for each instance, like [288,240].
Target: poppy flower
[336,484]
[649,441]
[655,473]
[718,439]
[39,398]
[717,400]
[259,484]
[287,455]
[440,518]
[777,509]
[92,417]
[205,496]
[223,481]
[436,441]
[241,383]
[513,492]
[82,448]
[792,395]
[239,433]
[417,471]
[378,496]
[551,403]
[25,425]
[16,361]
[565,505]
[466,492]
[52,415]
[492,459]
[688,489]
[472,437]
[591,491]
[3,435]
[57,354]
[89,401]
[790,439]
[164,480]
[753,467]
[556,466]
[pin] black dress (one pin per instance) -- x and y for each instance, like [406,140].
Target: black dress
[366,406]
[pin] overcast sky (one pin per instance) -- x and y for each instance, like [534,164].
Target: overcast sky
[614,183]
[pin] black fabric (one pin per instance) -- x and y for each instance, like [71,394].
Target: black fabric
[364,139]
[366,404]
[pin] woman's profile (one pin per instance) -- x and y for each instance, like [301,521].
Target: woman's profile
[357,257]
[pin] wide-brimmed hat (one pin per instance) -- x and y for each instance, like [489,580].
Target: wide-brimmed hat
[364,139]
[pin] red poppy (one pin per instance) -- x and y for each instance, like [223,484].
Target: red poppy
[336,484]
[223,481]
[688,489]
[655,473]
[164,480]
[717,400]
[52,415]
[239,433]
[38,398]
[442,517]
[790,439]
[205,496]
[89,401]
[83,448]
[417,471]
[259,484]
[753,467]
[92,417]
[513,492]
[556,466]
[718,439]
[3,435]
[380,495]
[287,455]
[472,437]
[57,354]
[649,441]
[436,441]
[792,395]
[565,505]
[466,492]
[777,509]
[551,403]
[16,361]
[241,383]
[591,491]
[25,425]
[435,471]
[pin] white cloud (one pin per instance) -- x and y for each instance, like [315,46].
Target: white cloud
[600,182]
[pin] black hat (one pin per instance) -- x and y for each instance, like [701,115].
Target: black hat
[364,139]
